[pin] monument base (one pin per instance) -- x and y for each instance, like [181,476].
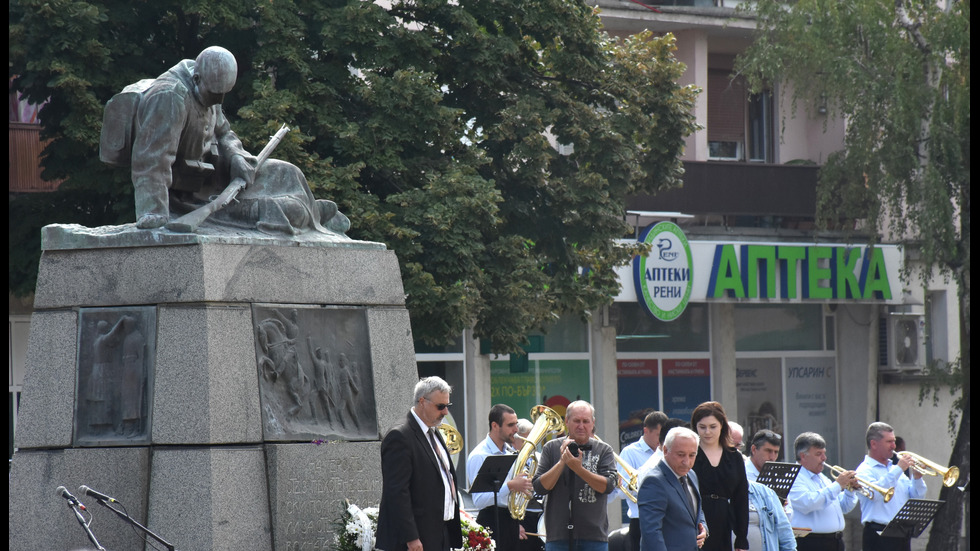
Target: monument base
[231,395]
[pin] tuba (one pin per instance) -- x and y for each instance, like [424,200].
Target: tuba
[546,421]
[949,474]
[454,440]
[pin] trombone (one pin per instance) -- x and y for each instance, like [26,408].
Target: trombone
[627,482]
[866,486]
[924,466]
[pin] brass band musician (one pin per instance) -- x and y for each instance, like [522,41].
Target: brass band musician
[877,468]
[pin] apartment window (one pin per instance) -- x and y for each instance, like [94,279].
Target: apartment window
[740,124]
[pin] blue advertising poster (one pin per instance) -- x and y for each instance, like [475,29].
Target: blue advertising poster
[687,384]
[639,394]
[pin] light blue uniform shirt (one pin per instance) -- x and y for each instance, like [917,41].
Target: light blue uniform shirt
[819,503]
[887,476]
[635,455]
[475,461]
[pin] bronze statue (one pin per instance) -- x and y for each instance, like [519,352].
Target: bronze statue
[173,134]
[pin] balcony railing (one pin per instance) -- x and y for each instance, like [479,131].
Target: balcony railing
[25,149]
[741,193]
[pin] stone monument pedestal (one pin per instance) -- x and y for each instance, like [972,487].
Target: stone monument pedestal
[229,392]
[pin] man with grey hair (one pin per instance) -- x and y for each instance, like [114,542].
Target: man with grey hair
[819,503]
[669,501]
[419,504]
[737,433]
[575,473]
[878,469]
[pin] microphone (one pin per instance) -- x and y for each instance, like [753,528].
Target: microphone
[83,489]
[63,492]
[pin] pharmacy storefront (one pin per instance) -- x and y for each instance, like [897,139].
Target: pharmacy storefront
[781,333]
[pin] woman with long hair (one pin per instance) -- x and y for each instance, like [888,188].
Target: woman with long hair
[721,477]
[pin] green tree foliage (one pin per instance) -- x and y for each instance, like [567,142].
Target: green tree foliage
[899,71]
[427,121]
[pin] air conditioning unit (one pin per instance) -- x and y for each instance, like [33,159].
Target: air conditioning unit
[906,341]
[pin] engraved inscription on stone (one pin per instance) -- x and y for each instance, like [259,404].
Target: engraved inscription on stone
[315,374]
[115,375]
[311,500]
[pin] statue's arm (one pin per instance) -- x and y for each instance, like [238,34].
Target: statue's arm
[160,121]
[238,162]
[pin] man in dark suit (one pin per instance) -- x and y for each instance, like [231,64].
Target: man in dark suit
[419,504]
[669,502]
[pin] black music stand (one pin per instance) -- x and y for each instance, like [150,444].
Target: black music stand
[912,518]
[492,476]
[779,477]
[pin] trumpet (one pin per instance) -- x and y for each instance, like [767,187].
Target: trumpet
[924,466]
[866,486]
[546,421]
[627,482]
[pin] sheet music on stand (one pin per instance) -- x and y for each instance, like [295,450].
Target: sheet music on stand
[779,477]
[912,518]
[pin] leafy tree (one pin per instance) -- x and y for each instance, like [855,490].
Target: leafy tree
[899,71]
[427,121]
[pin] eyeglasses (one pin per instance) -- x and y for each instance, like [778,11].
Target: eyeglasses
[440,407]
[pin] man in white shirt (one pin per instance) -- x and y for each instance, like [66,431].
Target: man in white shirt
[819,503]
[878,469]
[636,455]
[499,441]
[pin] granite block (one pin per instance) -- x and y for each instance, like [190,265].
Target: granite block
[48,398]
[308,484]
[217,273]
[210,498]
[393,358]
[39,518]
[206,390]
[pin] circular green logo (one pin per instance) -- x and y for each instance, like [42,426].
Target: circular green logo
[663,280]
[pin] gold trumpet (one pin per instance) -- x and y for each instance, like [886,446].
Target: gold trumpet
[949,474]
[866,486]
[454,440]
[546,421]
[627,482]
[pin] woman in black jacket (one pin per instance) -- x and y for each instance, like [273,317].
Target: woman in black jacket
[721,477]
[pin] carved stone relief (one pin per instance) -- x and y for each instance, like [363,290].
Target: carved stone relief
[315,376]
[115,375]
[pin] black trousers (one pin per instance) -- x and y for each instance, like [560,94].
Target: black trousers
[508,534]
[635,534]
[821,542]
[871,541]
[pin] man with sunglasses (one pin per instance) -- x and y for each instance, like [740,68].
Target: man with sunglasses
[419,503]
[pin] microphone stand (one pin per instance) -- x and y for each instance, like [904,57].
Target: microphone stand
[130,520]
[73,505]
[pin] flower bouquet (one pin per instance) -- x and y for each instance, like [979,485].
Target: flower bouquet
[356,528]
[476,537]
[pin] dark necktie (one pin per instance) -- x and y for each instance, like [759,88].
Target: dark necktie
[689,490]
[445,468]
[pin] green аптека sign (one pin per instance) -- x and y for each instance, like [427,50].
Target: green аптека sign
[823,272]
